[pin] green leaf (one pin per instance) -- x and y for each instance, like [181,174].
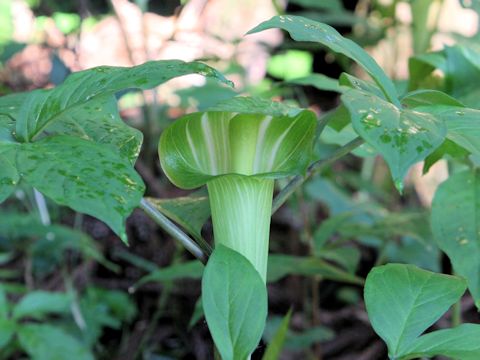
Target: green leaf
[347,80]
[420,68]
[98,120]
[280,265]
[46,342]
[463,128]
[7,326]
[415,299]
[42,108]
[303,29]
[190,212]
[318,81]
[200,146]
[9,108]
[448,148]
[9,176]
[456,224]
[85,176]
[255,105]
[275,346]
[189,269]
[303,340]
[463,73]
[38,304]
[432,101]
[235,303]
[403,137]
[460,342]
[328,5]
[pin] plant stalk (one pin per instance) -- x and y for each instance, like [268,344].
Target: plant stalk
[173,230]
[241,211]
[314,168]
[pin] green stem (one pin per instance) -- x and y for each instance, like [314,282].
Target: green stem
[297,181]
[457,313]
[173,230]
[241,210]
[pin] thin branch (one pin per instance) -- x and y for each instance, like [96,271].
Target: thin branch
[314,168]
[173,230]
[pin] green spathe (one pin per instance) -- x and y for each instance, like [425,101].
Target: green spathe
[238,156]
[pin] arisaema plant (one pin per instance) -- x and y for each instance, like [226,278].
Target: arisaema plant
[237,156]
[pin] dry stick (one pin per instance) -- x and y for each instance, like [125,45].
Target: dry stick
[314,168]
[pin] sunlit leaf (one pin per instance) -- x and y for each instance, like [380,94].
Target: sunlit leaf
[235,303]
[47,342]
[42,108]
[460,342]
[415,299]
[85,176]
[402,136]
[303,29]
[456,224]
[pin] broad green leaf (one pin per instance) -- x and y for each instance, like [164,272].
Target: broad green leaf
[456,225]
[85,176]
[403,137]
[186,270]
[4,307]
[421,67]
[347,257]
[9,108]
[350,81]
[42,108]
[234,300]
[463,73]
[255,105]
[8,328]
[39,304]
[197,313]
[328,5]
[9,176]
[49,242]
[447,149]
[47,342]
[7,325]
[190,212]
[432,101]
[463,127]
[460,342]
[303,29]
[280,265]
[103,308]
[98,120]
[200,146]
[275,346]
[303,340]
[415,299]
[318,81]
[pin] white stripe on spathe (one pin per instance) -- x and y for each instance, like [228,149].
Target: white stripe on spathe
[207,132]
[265,123]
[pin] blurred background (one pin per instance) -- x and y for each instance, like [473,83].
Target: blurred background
[351,212]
